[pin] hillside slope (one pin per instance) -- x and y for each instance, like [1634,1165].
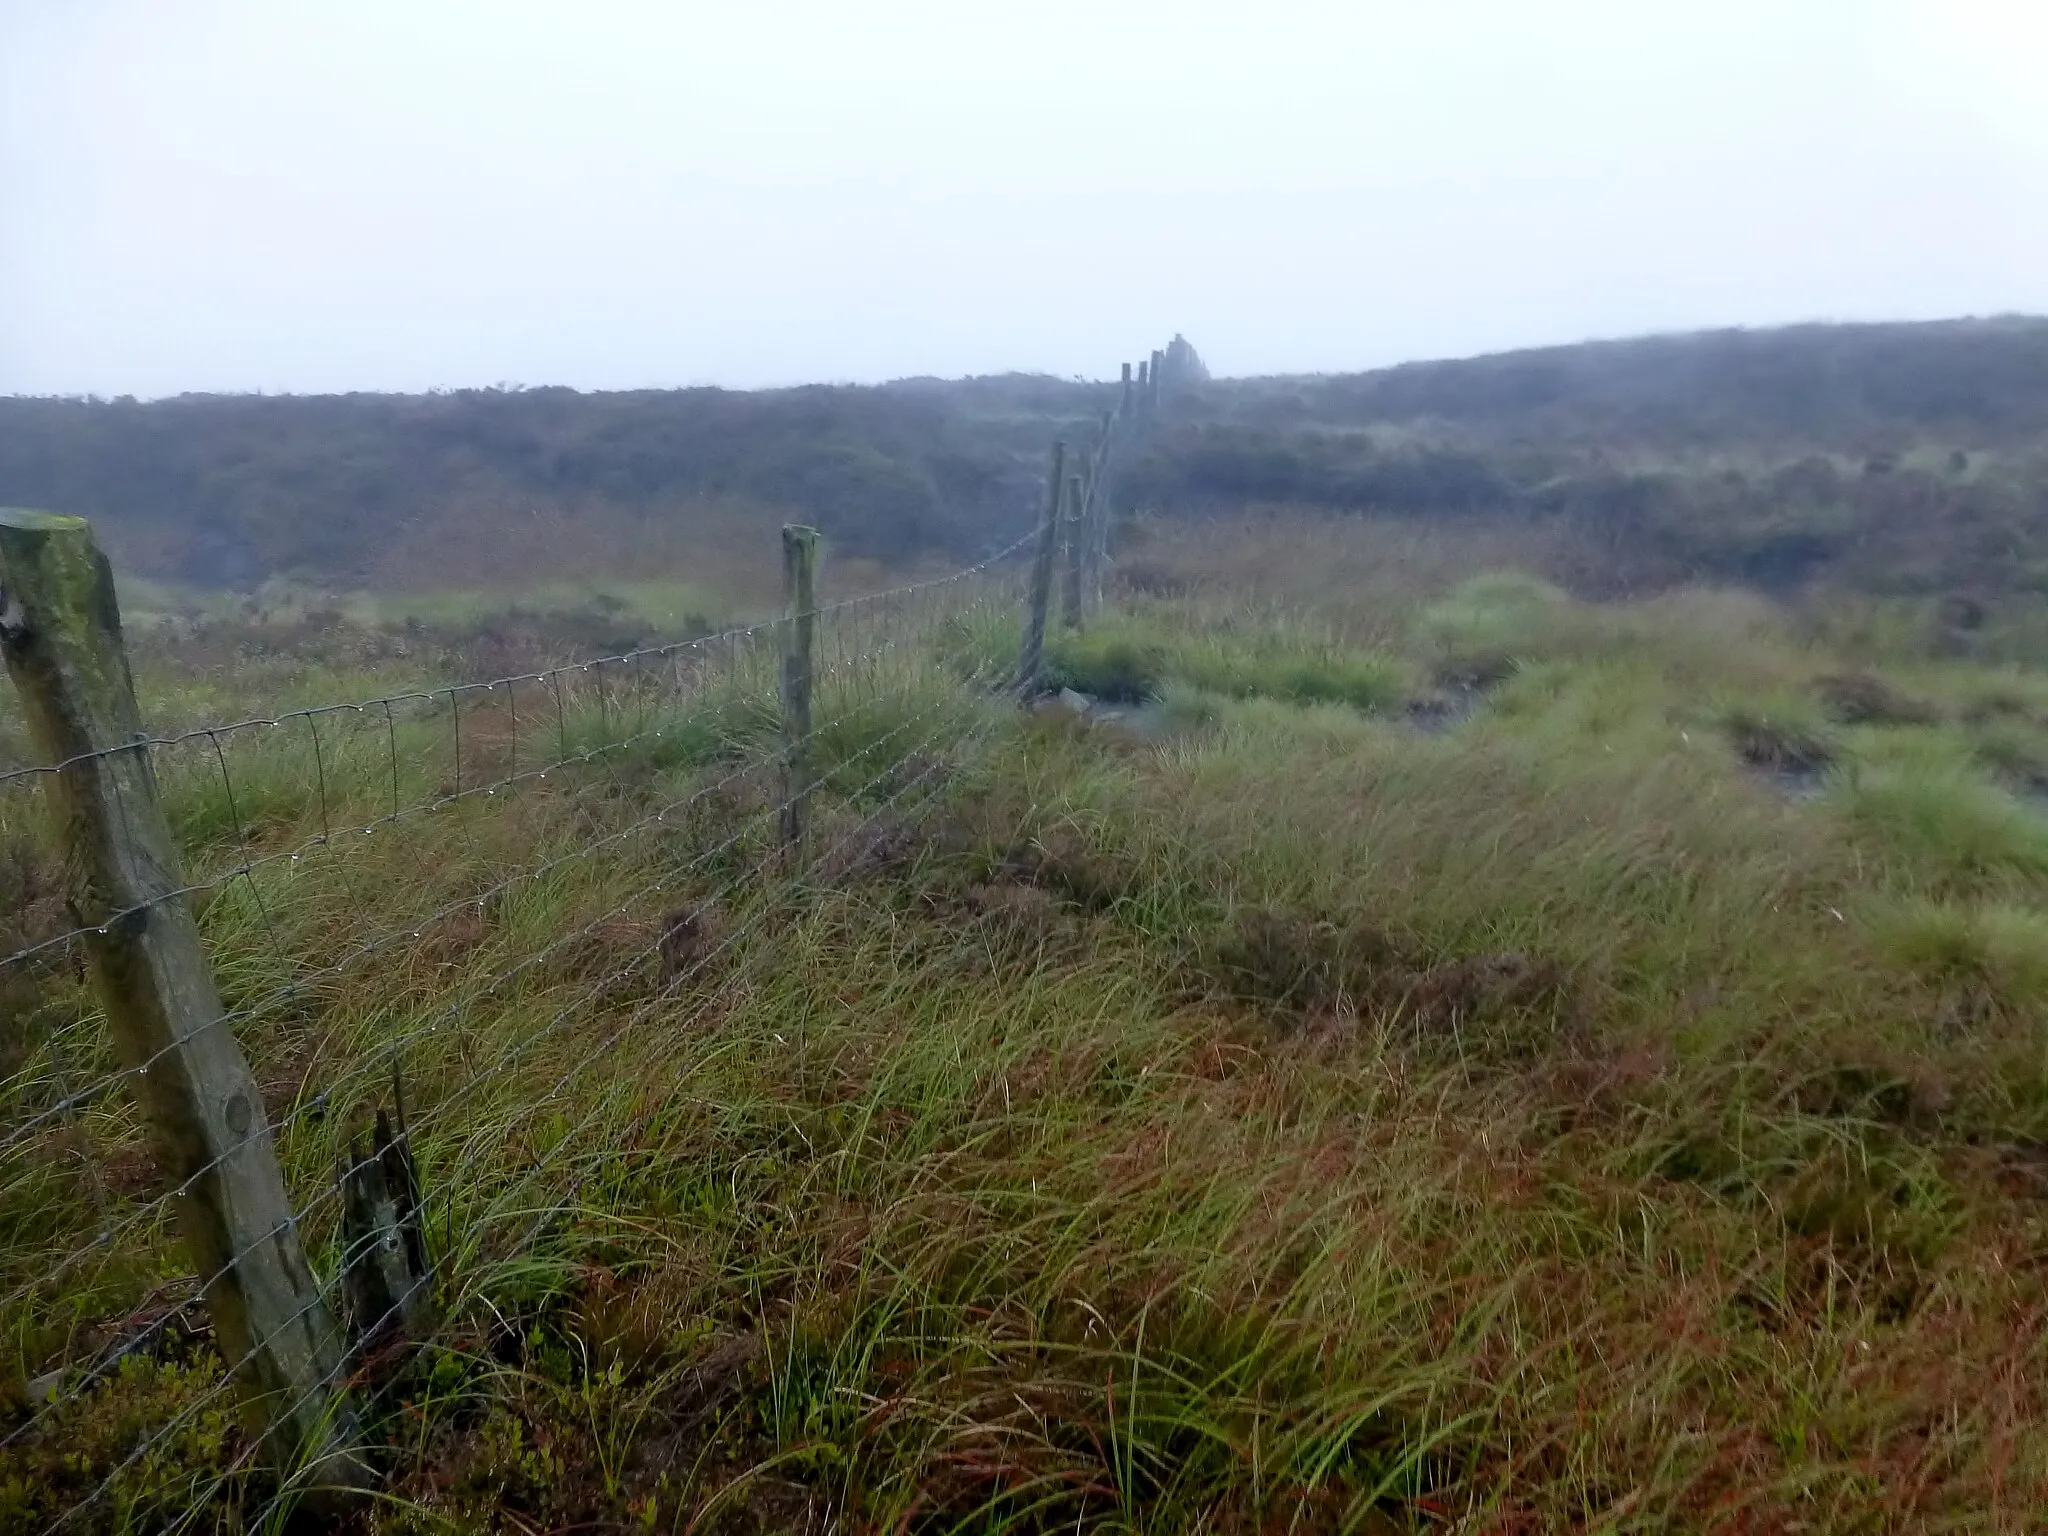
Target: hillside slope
[1981,381]
[1909,456]
[1901,459]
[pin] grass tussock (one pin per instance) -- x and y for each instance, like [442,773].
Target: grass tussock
[1945,825]
[1789,733]
[1239,656]
[1488,625]
[1992,953]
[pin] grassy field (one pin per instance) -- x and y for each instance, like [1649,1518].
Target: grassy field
[1457,1058]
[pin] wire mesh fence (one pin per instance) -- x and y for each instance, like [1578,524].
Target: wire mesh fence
[449,928]
[327,1034]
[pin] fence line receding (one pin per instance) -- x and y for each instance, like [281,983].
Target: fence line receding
[281,997]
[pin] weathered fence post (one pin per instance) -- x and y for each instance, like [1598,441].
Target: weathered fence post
[1158,381]
[1074,531]
[386,1278]
[60,627]
[799,630]
[1031,662]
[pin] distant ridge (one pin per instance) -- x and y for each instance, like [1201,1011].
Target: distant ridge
[392,489]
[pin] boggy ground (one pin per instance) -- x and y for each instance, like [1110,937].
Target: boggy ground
[1301,1119]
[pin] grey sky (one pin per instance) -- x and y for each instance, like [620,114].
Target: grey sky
[398,194]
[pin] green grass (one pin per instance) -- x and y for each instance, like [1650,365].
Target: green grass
[1293,1120]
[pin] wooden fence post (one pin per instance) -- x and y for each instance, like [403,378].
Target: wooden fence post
[1031,661]
[1158,381]
[1073,531]
[385,1274]
[60,627]
[799,631]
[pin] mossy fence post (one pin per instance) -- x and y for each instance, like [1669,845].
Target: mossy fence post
[799,632]
[1031,659]
[60,627]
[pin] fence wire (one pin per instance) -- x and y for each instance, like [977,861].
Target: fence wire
[484,894]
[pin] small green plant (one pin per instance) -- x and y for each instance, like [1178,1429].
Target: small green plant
[1491,623]
[2014,748]
[1996,951]
[1946,825]
[1787,733]
[1308,675]
[1125,665]
[1863,698]
[1243,660]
